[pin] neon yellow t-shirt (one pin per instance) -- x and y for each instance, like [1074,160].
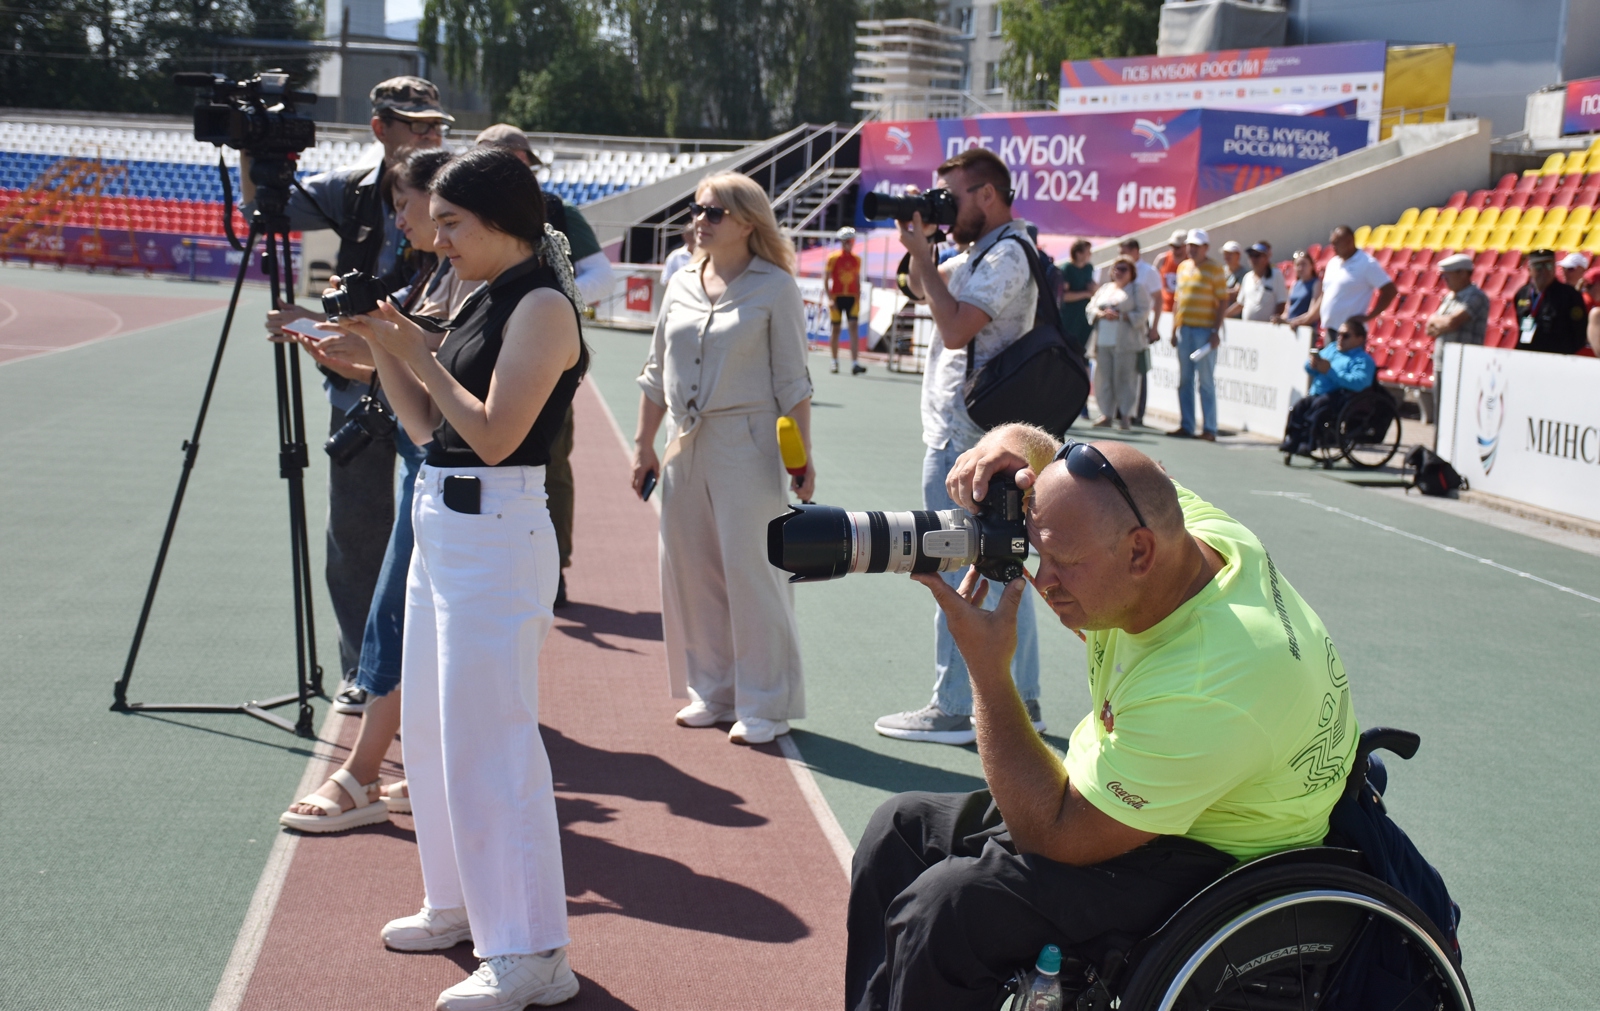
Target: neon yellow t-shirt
[1230,721]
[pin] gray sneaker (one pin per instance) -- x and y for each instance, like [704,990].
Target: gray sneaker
[930,723]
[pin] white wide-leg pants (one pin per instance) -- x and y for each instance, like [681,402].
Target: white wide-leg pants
[727,614]
[477,612]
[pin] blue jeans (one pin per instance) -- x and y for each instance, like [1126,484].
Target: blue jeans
[379,671]
[1190,340]
[952,689]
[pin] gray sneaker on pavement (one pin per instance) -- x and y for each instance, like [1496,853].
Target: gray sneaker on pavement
[930,723]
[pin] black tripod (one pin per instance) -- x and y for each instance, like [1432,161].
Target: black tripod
[270,222]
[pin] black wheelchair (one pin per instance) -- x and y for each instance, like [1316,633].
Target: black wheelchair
[1365,433]
[1301,930]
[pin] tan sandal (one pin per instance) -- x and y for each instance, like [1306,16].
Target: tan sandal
[398,803]
[335,818]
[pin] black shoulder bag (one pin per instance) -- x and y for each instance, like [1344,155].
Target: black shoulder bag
[1038,379]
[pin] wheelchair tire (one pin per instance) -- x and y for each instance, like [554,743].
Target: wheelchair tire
[1231,949]
[1369,430]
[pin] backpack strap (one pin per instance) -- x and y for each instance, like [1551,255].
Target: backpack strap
[360,223]
[1045,310]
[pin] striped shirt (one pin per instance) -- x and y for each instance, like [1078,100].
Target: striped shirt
[1202,291]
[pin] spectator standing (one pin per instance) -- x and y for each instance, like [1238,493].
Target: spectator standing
[1196,323]
[842,277]
[988,303]
[1177,252]
[1305,293]
[1550,314]
[1119,310]
[1574,266]
[1149,279]
[727,360]
[595,279]
[1233,263]
[1262,292]
[1462,318]
[406,116]
[679,258]
[1336,371]
[1077,288]
[1349,282]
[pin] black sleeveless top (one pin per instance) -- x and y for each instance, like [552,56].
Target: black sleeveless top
[469,353]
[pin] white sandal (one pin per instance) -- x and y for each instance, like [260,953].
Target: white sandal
[398,804]
[334,818]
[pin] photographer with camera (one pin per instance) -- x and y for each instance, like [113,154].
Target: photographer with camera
[436,292]
[987,304]
[482,582]
[406,116]
[1221,729]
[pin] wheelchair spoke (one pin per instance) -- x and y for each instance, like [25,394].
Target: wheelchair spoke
[1238,978]
[1351,948]
[1299,957]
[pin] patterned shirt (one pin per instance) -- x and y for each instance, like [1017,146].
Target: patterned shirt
[1202,290]
[1476,303]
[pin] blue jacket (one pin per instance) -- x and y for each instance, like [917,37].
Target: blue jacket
[1349,370]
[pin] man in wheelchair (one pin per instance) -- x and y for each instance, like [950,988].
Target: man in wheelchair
[1221,730]
[1336,371]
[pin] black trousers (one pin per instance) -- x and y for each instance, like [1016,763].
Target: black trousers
[943,909]
[1307,417]
[360,519]
[558,489]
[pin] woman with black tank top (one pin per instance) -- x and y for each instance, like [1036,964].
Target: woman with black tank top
[483,578]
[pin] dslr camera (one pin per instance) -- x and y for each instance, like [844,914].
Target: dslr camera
[255,115]
[937,207]
[366,421]
[815,542]
[358,293]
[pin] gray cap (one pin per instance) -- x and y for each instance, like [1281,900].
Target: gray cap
[509,137]
[1457,261]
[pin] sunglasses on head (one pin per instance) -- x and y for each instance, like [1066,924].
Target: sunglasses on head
[712,214]
[1084,461]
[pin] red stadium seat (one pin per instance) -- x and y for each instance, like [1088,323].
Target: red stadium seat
[1546,183]
[1564,198]
[1485,258]
[1518,198]
[1508,335]
[1588,196]
[1525,183]
[1495,283]
[1508,182]
[1406,278]
[1314,251]
[1519,277]
[1510,259]
[1498,198]
[1428,305]
[1540,198]
[1479,199]
[1396,367]
[1458,199]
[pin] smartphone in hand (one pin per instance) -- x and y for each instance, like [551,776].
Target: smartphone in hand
[648,486]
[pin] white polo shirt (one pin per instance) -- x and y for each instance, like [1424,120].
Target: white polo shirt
[1347,287]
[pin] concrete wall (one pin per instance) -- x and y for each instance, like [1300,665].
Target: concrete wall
[1419,166]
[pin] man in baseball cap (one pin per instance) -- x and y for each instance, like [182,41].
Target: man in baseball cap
[1202,298]
[1572,267]
[1167,267]
[1550,313]
[408,98]
[1233,263]
[506,136]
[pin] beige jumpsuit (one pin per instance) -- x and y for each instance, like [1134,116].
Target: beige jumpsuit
[725,373]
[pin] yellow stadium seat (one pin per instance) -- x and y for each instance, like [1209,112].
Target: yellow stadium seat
[1434,239]
[1362,235]
[1530,216]
[1591,244]
[1554,216]
[1546,236]
[1447,216]
[1468,216]
[1552,165]
[1574,163]
[1579,216]
[1499,238]
[1408,217]
[1478,237]
[1488,216]
[1509,216]
[1571,237]
[1376,237]
[1428,217]
[1456,238]
[1522,238]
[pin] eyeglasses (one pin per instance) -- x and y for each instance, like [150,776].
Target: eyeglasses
[422,127]
[1083,460]
[712,214]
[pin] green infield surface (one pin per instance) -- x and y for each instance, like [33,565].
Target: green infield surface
[141,856]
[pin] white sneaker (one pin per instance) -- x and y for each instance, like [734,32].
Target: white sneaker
[512,982]
[701,714]
[755,730]
[428,930]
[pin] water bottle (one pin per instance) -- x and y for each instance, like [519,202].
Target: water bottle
[1200,352]
[1044,986]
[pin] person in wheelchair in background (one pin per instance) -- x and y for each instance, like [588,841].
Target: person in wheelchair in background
[1337,371]
[1221,730]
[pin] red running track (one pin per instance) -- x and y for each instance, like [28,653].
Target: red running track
[697,877]
[34,322]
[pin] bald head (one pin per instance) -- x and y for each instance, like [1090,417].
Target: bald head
[1062,495]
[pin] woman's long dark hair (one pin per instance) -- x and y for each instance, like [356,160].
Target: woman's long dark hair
[494,185]
[416,172]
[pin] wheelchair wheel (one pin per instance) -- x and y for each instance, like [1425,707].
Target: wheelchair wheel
[1307,937]
[1369,430]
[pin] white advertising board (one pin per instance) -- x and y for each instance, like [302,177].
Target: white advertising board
[1523,425]
[635,297]
[818,323]
[1260,373]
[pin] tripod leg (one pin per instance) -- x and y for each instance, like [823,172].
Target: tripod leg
[191,449]
[298,427]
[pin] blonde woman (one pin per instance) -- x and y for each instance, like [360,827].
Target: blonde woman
[728,359]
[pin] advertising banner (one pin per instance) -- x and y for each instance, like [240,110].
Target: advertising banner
[1292,80]
[1523,425]
[191,256]
[1260,373]
[1583,106]
[1109,173]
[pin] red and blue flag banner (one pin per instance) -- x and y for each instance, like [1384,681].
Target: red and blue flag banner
[1583,106]
[1110,173]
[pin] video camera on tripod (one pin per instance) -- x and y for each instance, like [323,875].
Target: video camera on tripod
[256,116]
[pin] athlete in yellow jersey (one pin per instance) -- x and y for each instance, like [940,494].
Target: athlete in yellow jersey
[843,280]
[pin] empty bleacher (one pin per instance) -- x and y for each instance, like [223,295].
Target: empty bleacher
[1552,207]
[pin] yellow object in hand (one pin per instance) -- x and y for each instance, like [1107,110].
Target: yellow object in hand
[791,447]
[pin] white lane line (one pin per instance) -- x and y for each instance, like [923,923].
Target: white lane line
[1308,500]
[258,917]
[14,313]
[826,820]
[90,341]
